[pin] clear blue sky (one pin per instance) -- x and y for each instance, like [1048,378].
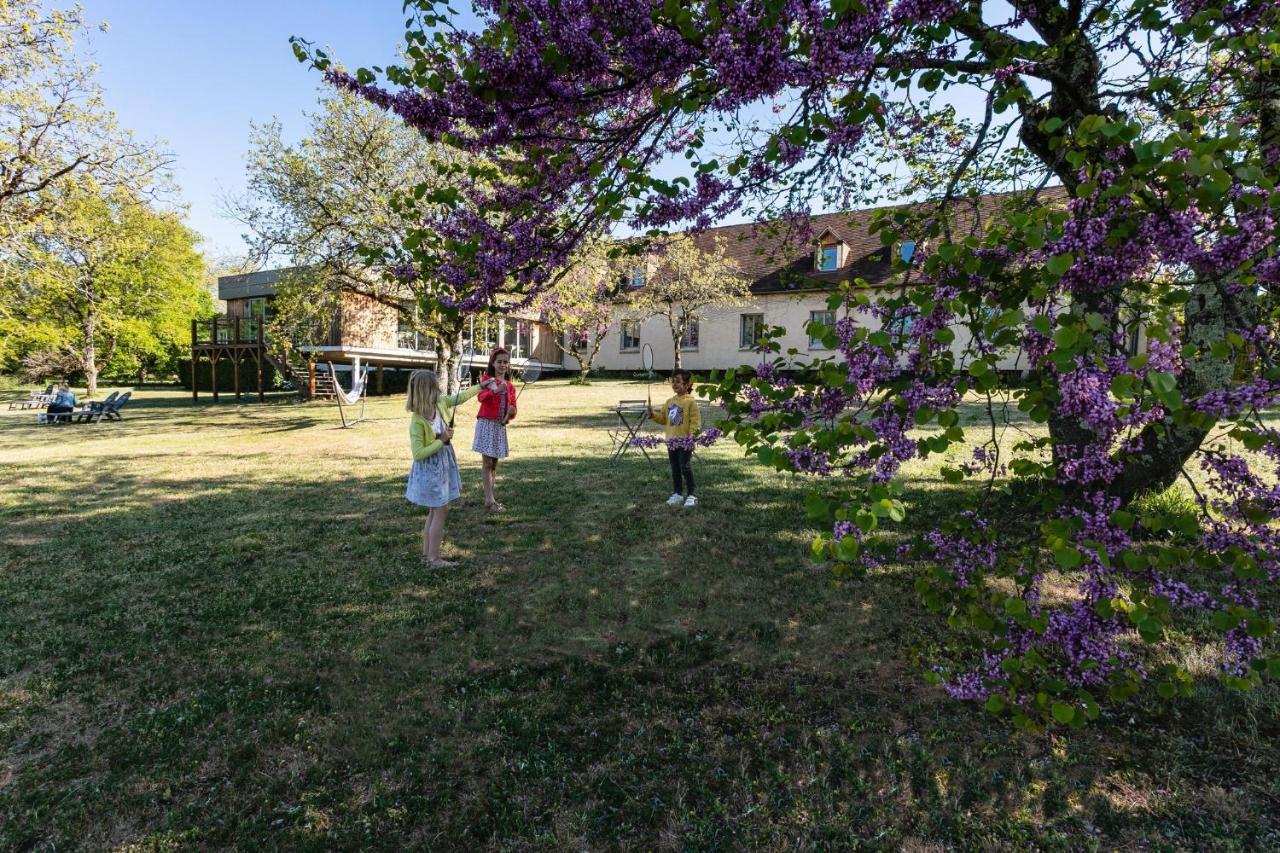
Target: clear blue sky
[196,73]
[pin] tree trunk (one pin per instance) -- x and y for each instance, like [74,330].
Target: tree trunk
[676,334]
[449,355]
[585,361]
[1165,445]
[89,356]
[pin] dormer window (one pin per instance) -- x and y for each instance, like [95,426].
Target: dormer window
[907,250]
[635,278]
[829,256]
[828,259]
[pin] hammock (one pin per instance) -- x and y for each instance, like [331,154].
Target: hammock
[355,395]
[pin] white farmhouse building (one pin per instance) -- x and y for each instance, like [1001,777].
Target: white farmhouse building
[790,286]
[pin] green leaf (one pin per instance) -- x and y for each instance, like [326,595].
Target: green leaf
[1059,264]
[816,507]
[1257,627]
[1123,520]
[995,704]
[1068,558]
[1162,382]
[1063,713]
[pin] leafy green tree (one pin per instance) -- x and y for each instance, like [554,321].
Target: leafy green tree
[339,203]
[110,280]
[579,307]
[681,279]
[53,124]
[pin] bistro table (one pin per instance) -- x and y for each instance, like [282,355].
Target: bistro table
[632,415]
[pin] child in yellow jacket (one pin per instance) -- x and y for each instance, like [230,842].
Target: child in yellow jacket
[433,480]
[682,420]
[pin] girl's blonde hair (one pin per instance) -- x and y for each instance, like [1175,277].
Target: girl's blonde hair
[424,394]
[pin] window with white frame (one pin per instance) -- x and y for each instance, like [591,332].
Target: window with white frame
[907,250]
[828,258]
[820,318]
[689,340]
[629,337]
[751,330]
[635,277]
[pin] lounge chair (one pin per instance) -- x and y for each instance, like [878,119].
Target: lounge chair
[112,412]
[103,403]
[108,409]
[93,412]
[37,399]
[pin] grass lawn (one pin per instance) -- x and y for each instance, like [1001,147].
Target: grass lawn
[215,632]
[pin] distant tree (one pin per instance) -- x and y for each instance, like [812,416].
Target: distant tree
[341,203]
[53,125]
[110,280]
[680,280]
[579,307]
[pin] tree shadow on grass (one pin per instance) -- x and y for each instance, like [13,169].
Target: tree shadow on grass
[259,659]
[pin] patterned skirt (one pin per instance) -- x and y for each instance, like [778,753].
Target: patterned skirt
[491,438]
[435,481]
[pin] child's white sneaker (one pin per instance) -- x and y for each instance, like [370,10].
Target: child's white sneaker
[690,501]
[675,500]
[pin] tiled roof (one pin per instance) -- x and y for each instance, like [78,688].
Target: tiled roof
[777,262]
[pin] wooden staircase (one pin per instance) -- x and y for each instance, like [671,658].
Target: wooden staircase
[298,373]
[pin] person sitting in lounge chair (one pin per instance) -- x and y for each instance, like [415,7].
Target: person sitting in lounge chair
[64,402]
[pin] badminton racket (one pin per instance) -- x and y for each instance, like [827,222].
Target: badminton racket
[532,370]
[457,383]
[646,361]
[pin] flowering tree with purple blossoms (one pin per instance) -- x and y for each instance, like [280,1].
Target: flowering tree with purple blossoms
[1136,144]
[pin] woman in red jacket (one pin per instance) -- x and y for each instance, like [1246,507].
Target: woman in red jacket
[497,408]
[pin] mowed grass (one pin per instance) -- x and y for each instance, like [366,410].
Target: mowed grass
[215,632]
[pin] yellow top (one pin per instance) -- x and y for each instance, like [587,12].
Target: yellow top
[420,428]
[680,415]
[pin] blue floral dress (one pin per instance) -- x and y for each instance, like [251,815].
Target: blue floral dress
[435,481]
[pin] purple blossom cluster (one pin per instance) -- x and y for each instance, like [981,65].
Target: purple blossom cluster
[706,438]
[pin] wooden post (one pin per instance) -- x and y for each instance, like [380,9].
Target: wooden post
[379,380]
[262,353]
[195,389]
[213,370]
[237,353]
[311,380]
